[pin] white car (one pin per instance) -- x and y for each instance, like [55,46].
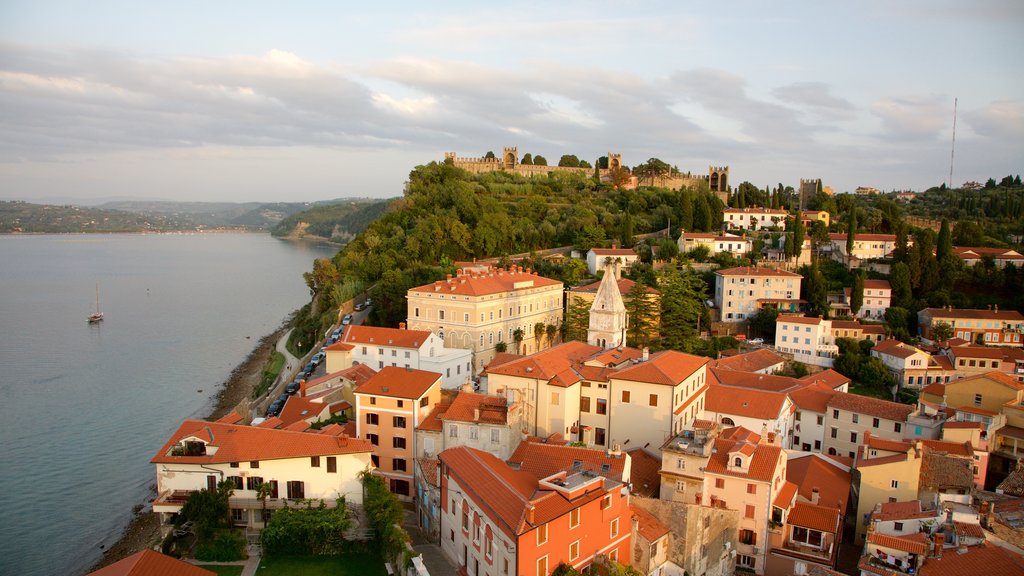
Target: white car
[756,341]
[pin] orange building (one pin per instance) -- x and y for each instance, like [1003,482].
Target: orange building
[389,407]
[496,520]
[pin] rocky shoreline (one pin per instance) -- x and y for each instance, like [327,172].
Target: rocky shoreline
[143,530]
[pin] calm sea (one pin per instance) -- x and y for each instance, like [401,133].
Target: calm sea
[84,407]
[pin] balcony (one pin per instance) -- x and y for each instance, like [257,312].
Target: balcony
[171,501]
[807,550]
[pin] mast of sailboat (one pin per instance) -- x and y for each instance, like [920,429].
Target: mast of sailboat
[97,297]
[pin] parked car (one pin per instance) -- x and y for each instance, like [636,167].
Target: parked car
[756,341]
[361,306]
[319,357]
[336,334]
[275,408]
[346,320]
[308,370]
[293,387]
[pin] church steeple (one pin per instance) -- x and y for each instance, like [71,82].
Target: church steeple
[608,312]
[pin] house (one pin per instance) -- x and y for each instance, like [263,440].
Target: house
[151,563]
[850,417]
[338,388]
[972,359]
[971,434]
[811,406]
[753,218]
[830,379]
[808,339]
[596,258]
[865,246]
[297,465]
[485,422]
[417,349]
[857,331]
[478,310]
[389,407]
[809,217]
[684,457]
[427,472]
[736,401]
[741,292]
[910,366]
[502,521]
[746,472]
[738,246]
[760,361]
[650,542]
[946,474]
[544,459]
[992,327]
[888,471]
[877,299]
[999,257]
[776,252]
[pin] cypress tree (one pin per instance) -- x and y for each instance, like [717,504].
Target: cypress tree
[851,232]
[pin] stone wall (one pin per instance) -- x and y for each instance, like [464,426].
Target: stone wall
[699,535]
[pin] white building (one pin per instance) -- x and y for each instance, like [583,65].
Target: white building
[865,246]
[596,258]
[607,327]
[717,243]
[753,218]
[481,421]
[322,464]
[416,349]
[809,340]
[877,298]
[740,292]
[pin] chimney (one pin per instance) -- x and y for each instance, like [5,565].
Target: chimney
[940,539]
[302,387]
[531,514]
[476,414]
[401,325]
[646,354]
[815,496]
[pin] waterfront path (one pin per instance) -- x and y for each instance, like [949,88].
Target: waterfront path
[291,362]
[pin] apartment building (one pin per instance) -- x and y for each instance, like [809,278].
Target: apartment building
[877,299]
[992,327]
[478,310]
[738,246]
[851,416]
[596,258]
[753,218]
[857,331]
[418,349]
[889,471]
[865,246]
[684,457]
[811,406]
[496,520]
[389,407]
[971,359]
[750,400]
[912,367]
[296,463]
[740,292]
[485,422]
[808,339]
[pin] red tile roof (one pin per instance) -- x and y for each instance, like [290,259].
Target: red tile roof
[829,377]
[885,444]
[812,398]
[821,518]
[473,407]
[916,543]
[667,367]
[433,420]
[751,403]
[428,468]
[958,313]
[809,320]
[892,347]
[959,424]
[299,409]
[543,460]
[906,510]
[815,471]
[951,448]
[230,418]
[398,382]
[151,563]
[644,478]
[871,406]
[877,284]
[339,346]
[756,271]
[753,380]
[786,495]
[613,251]
[615,357]
[548,363]
[395,337]
[649,527]
[493,281]
[936,388]
[236,443]
[625,286]
[762,465]
[964,529]
[995,375]
[992,560]
[501,358]
[868,237]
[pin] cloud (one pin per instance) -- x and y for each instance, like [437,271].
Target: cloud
[913,117]
[1002,120]
[817,98]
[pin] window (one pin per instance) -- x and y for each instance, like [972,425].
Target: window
[453,431]
[373,400]
[614,531]
[874,422]
[296,489]
[835,414]
[254,464]
[977,399]
[821,420]
[554,398]
[897,427]
[375,460]
[542,566]
[371,418]
[744,560]
[606,502]
[474,433]
[398,442]
[835,432]
[853,437]
[653,400]
[237,516]
[748,537]
[751,488]
[236,481]
[894,484]
[542,534]
[584,403]
[332,464]
[749,512]
[234,464]
[398,464]
[417,314]
[898,526]
[465,517]
[737,462]
[424,402]
[314,461]
[574,518]
[253,483]
[574,550]
[374,439]
[807,536]
[625,396]
[719,482]
[398,421]
[440,314]
[495,435]
[602,406]
[856,418]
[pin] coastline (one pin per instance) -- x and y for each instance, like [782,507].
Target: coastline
[143,530]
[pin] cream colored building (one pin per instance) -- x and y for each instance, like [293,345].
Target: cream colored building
[717,243]
[753,218]
[418,349]
[740,292]
[809,340]
[478,310]
[885,476]
[865,246]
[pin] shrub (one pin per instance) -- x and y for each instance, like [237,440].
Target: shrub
[225,546]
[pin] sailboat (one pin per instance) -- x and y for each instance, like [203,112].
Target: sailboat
[96,316]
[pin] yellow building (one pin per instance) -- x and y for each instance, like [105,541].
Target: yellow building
[889,472]
[477,310]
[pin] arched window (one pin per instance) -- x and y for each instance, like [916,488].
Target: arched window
[738,462]
[476,528]
[728,422]
[465,516]
[831,451]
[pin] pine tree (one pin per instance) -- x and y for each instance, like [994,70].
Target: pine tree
[851,232]
[682,297]
[798,236]
[816,290]
[686,210]
[857,294]
[640,312]
[899,280]
[702,214]
[577,319]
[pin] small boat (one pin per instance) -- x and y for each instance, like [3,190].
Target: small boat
[96,316]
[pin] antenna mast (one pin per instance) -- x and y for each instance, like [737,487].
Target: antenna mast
[952,150]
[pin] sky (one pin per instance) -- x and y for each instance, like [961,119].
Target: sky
[303,101]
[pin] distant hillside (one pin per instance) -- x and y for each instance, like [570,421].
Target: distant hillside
[258,215]
[26,218]
[339,221]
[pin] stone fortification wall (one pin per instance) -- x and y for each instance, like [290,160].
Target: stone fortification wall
[699,534]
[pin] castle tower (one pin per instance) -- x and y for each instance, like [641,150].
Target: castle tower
[608,312]
[614,160]
[718,182]
[510,157]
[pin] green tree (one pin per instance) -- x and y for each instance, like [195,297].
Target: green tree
[577,319]
[899,280]
[626,231]
[682,308]
[517,337]
[551,330]
[942,331]
[667,250]
[640,311]
[538,334]
[501,347]
[527,159]
[489,155]
[897,320]
[816,290]
[318,531]
[573,271]
[686,200]
[700,253]
[857,294]
[798,236]
[539,160]
[851,231]
[702,218]
[762,324]
[569,160]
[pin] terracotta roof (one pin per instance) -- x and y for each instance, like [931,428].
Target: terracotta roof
[975,351]
[786,495]
[649,527]
[151,563]
[433,420]
[339,346]
[893,347]
[877,284]
[358,373]
[1013,484]
[644,479]
[988,558]
[816,471]
[613,251]
[398,382]
[906,510]
[547,363]
[961,424]
[501,358]
[957,313]
[819,518]
[751,403]
[994,375]
[751,361]
[766,382]
[615,357]
[860,236]
[872,441]
[968,530]
[811,321]
[625,286]
[976,251]
[871,406]
[236,443]
[298,409]
[755,210]
[942,362]
[812,398]
[543,460]
[940,471]
[467,405]
[667,367]
[494,281]
[951,448]
[762,464]
[916,543]
[230,418]
[428,468]
[394,337]
[756,271]
[829,377]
